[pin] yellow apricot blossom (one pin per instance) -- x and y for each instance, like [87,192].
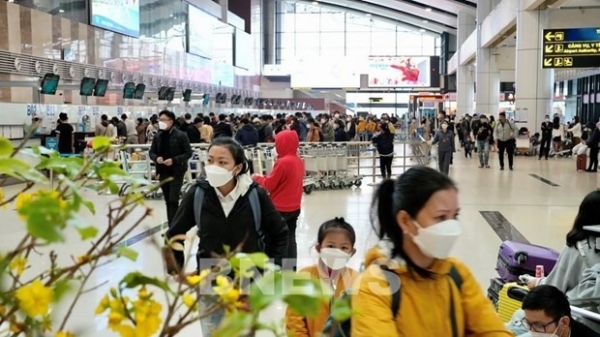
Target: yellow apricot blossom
[190,302]
[22,200]
[2,198]
[2,310]
[34,299]
[64,334]
[104,304]
[114,320]
[195,280]
[18,265]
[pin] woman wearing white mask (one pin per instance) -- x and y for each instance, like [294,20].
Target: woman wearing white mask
[417,217]
[170,151]
[446,147]
[335,245]
[227,215]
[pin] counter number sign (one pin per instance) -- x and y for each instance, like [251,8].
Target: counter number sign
[571,48]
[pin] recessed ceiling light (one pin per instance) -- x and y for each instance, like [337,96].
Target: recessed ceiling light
[425,21]
[61,10]
[428,9]
[422,30]
[315,2]
[369,14]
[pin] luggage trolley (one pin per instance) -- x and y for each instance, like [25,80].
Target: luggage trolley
[138,164]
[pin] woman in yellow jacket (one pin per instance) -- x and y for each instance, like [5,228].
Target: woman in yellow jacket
[335,245]
[439,296]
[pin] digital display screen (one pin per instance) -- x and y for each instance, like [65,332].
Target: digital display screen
[101,87]
[49,84]
[139,91]
[87,86]
[399,71]
[128,90]
[200,32]
[120,16]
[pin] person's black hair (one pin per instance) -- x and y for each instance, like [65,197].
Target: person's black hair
[549,299]
[333,225]
[123,116]
[198,120]
[409,192]
[588,216]
[502,114]
[187,116]
[556,123]
[206,120]
[63,116]
[104,117]
[222,117]
[576,119]
[170,115]
[140,120]
[236,150]
[245,120]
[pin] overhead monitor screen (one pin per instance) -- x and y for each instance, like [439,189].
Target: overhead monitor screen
[399,71]
[200,32]
[120,16]
[101,87]
[87,86]
[49,84]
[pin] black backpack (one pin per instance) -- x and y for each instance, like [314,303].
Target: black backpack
[342,329]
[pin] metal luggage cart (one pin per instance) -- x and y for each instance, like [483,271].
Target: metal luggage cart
[138,164]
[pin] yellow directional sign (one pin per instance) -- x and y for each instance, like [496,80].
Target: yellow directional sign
[549,48]
[558,61]
[560,36]
[547,62]
[549,36]
[559,48]
[568,61]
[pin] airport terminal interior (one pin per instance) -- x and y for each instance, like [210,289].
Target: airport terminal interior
[358,68]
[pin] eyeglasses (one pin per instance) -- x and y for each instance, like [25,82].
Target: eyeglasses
[536,327]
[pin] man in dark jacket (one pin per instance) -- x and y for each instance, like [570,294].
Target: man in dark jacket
[247,135]
[546,128]
[170,151]
[222,129]
[193,131]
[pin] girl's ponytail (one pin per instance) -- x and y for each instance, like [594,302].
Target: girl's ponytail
[383,213]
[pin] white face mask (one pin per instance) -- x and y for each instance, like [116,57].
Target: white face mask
[323,121]
[437,240]
[334,258]
[217,176]
[162,125]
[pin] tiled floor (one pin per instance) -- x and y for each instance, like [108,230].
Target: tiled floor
[541,212]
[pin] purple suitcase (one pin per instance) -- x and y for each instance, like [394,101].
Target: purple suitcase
[515,259]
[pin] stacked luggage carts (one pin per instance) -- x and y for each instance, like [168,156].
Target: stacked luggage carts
[137,164]
[326,166]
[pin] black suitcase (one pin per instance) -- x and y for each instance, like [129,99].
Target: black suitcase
[493,291]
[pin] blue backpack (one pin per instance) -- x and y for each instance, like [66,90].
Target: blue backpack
[254,204]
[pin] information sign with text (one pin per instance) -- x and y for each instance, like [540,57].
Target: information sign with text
[571,48]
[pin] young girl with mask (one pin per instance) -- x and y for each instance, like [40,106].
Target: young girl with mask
[227,217]
[335,246]
[417,216]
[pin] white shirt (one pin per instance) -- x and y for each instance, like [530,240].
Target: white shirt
[229,200]
[576,130]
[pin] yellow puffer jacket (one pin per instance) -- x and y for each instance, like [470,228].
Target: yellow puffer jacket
[424,303]
[300,326]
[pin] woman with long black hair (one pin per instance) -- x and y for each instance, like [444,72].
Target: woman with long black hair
[384,142]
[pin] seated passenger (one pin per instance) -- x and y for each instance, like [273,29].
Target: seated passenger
[417,215]
[580,253]
[335,245]
[548,313]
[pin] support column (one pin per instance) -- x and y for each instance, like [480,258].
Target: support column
[488,76]
[465,93]
[269,13]
[534,84]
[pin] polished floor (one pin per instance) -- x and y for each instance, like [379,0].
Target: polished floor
[539,199]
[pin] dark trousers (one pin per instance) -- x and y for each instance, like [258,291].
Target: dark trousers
[444,159]
[385,164]
[593,158]
[509,146]
[171,192]
[545,147]
[291,256]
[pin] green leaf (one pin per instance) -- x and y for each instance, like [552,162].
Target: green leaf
[100,144]
[6,147]
[136,279]
[234,324]
[87,233]
[304,294]
[128,253]
[90,206]
[39,227]
[61,287]
[341,309]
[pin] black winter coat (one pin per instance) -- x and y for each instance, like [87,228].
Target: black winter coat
[218,231]
[181,151]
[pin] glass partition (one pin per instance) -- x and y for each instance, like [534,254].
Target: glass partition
[308,31]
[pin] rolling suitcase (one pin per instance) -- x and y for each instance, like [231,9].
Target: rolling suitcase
[581,162]
[508,303]
[515,259]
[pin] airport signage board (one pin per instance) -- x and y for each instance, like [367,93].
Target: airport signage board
[571,48]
